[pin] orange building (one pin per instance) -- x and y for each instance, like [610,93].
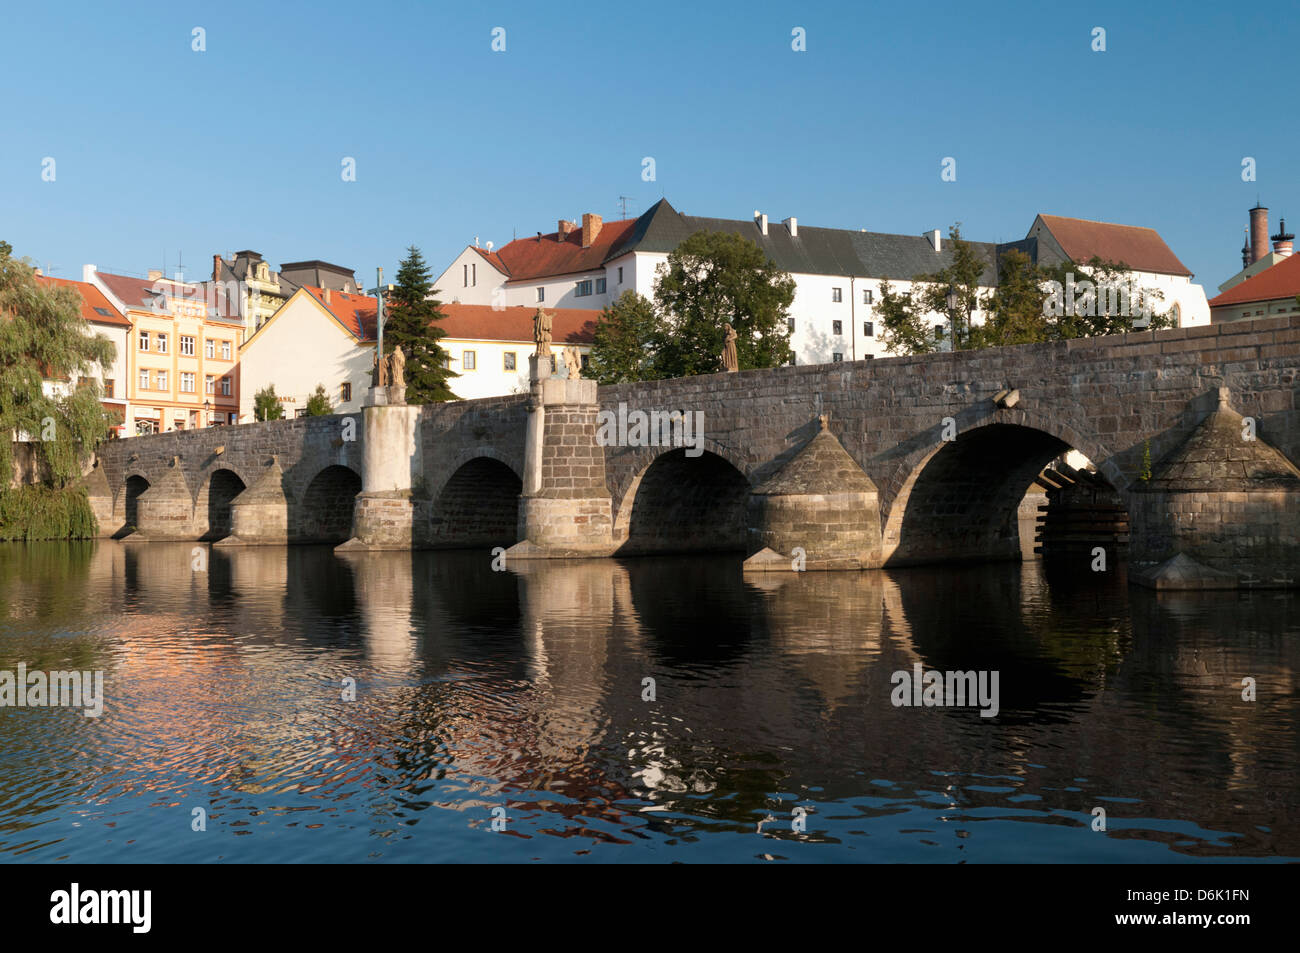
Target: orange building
[183,353]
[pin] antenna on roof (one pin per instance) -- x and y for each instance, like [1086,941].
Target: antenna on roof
[622,201]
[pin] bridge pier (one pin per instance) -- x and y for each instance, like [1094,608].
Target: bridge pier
[260,514]
[565,509]
[166,509]
[392,511]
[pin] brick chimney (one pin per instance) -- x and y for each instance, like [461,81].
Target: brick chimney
[216,267]
[326,295]
[564,229]
[1282,241]
[590,228]
[1258,233]
[761,221]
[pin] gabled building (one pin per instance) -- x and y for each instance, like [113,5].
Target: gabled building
[1270,293]
[837,272]
[102,317]
[182,352]
[255,291]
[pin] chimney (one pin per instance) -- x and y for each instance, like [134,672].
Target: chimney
[1258,233]
[155,274]
[325,293]
[564,228]
[761,221]
[1282,241]
[792,223]
[216,267]
[88,273]
[590,228]
[936,241]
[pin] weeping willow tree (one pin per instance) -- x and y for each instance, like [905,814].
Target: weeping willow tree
[44,337]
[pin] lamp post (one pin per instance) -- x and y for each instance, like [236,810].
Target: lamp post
[207,413]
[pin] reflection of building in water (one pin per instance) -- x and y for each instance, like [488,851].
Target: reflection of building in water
[384,593]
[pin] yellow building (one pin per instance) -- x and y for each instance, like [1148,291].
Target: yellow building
[182,353]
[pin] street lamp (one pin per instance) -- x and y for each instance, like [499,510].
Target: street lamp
[207,413]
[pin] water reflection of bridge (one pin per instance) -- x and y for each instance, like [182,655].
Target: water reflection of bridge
[530,682]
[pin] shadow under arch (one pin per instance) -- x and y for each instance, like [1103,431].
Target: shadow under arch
[325,513]
[214,501]
[960,502]
[681,504]
[478,506]
[132,491]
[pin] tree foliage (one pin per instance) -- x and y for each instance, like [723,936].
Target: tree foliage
[903,327]
[623,345]
[266,406]
[44,337]
[318,404]
[412,312]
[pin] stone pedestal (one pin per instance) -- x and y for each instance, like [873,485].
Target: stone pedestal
[565,509]
[392,511]
[101,501]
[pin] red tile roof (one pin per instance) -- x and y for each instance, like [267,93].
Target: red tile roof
[525,259]
[481,322]
[138,293]
[1277,281]
[91,298]
[355,312]
[1141,249]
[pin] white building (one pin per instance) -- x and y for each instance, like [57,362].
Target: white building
[327,338]
[837,272]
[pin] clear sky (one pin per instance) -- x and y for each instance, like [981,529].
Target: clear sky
[161,150]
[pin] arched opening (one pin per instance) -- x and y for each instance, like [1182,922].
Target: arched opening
[135,487]
[978,498]
[478,507]
[325,515]
[223,487]
[687,504]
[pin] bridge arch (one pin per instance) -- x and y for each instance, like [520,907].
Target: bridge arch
[212,506]
[958,500]
[133,487]
[677,503]
[324,513]
[478,504]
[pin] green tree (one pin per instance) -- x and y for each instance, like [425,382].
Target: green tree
[623,345]
[715,278]
[963,275]
[44,337]
[1015,309]
[1086,308]
[266,406]
[412,312]
[903,329]
[318,404]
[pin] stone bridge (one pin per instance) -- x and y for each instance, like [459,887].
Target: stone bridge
[887,462]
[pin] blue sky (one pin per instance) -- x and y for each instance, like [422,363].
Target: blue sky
[161,150]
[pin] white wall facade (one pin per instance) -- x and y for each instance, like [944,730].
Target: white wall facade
[490,376]
[300,347]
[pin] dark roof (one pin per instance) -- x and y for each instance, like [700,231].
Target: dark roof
[813,251]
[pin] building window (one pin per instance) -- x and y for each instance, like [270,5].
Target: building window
[473,274]
[938,332]
[837,328]
[144,339]
[467,360]
[209,384]
[541,294]
[585,361]
[345,392]
[225,387]
[600,286]
[144,380]
[837,357]
[209,348]
[300,412]
[868,329]
[187,345]
[789,323]
[187,382]
[110,387]
[583,289]
[508,361]
[162,380]
[464,276]
[836,295]
[144,427]
[225,350]
[620,274]
[1178,315]
[162,344]
[866,296]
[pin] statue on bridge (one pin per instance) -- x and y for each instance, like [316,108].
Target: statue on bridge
[573,362]
[730,362]
[397,372]
[542,333]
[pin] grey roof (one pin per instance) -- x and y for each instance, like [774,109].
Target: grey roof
[814,251]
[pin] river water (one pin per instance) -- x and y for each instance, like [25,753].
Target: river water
[506,715]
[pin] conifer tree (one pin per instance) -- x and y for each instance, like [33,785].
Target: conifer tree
[411,315]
